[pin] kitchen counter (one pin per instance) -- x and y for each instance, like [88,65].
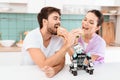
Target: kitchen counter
[10,49]
[18,49]
[107,71]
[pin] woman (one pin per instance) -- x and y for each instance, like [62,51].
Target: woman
[90,40]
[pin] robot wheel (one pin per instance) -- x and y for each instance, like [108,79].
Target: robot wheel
[74,73]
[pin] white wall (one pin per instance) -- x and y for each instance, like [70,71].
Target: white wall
[77,6]
[60,3]
[34,6]
[117,2]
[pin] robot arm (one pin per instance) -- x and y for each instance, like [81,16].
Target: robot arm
[89,68]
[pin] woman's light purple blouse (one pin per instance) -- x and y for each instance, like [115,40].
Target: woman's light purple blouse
[96,46]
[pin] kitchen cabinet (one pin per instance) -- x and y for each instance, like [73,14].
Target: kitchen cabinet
[4,1]
[11,58]
[18,1]
[13,6]
[14,1]
[60,4]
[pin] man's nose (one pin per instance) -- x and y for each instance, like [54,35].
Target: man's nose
[59,21]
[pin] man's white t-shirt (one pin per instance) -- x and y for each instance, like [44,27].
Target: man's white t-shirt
[34,40]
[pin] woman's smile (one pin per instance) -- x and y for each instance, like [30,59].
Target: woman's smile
[85,28]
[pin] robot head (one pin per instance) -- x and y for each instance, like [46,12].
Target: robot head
[78,48]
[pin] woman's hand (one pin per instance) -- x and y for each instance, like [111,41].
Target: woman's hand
[77,32]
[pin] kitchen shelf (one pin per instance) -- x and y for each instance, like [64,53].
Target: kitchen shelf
[110,14]
[10,49]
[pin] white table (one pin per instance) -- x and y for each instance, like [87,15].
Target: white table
[107,71]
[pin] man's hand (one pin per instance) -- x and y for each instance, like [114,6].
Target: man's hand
[52,71]
[68,37]
[49,71]
[62,32]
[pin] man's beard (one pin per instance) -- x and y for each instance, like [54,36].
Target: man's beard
[52,31]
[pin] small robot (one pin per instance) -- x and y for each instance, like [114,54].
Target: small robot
[78,59]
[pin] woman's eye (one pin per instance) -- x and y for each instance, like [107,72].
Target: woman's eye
[91,22]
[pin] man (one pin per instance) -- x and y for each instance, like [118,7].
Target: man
[44,46]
